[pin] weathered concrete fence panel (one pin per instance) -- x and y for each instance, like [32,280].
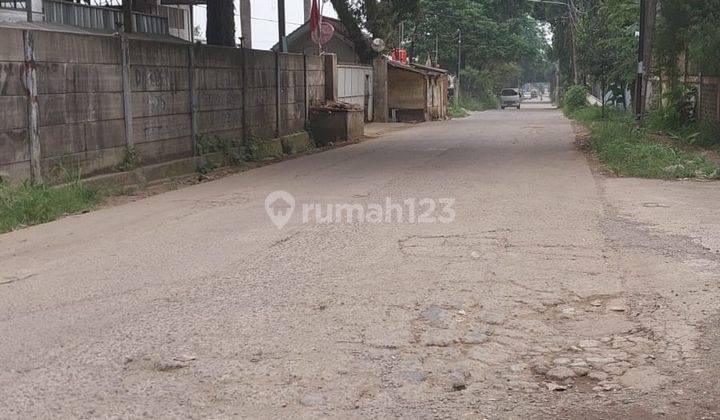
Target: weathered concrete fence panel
[159,75]
[14,143]
[81,128]
[104,102]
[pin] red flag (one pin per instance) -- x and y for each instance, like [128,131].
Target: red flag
[314,17]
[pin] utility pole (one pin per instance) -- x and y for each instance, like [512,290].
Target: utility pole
[649,22]
[457,83]
[281,26]
[245,24]
[127,15]
[572,10]
[307,8]
[640,67]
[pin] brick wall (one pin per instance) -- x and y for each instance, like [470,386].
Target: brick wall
[177,93]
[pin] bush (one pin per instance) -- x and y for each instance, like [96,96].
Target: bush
[473,103]
[456,111]
[575,98]
[629,151]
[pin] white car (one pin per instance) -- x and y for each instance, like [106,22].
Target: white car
[510,97]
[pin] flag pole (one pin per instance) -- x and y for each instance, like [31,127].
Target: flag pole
[319,29]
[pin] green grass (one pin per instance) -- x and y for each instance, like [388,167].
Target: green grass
[456,111]
[479,104]
[26,204]
[631,151]
[470,103]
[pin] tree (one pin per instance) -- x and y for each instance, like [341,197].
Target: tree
[221,23]
[374,18]
[606,37]
[502,44]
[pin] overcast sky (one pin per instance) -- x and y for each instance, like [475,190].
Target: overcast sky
[264,19]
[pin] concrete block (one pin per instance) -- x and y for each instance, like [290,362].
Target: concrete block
[233,136]
[65,47]
[11,47]
[296,143]
[291,61]
[335,126]
[214,100]
[261,116]
[93,78]
[259,59]
[292,95]
[164,150]
[219,120]
[212,78]
[314,63]
[14,112]
[261,97]
[316,93]
[11,79]
[155,53]
[14,146]
[217,57]
[316,78]
[162,127]
[289,79]
[149,104]
[65,168]
[295,111]
[267,149]
[151,78]
[331,77]
[104,134]
[261,78]
[78,78]
[164,170]
[79,107]
[63,139]
[291,126]
[16,173]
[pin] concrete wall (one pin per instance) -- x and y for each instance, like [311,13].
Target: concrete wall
[80,102]
[175,93]
[14,145]
[406,89]
[345,51]
[709,100]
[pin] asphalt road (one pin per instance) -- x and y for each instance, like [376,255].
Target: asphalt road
[553,292]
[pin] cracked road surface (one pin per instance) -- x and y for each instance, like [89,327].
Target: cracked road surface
[556,292]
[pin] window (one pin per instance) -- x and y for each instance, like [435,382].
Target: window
[13,4]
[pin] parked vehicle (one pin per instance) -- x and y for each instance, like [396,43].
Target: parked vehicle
[510,97]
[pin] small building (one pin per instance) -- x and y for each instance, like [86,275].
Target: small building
[154,17]
[300,42]
[410,92]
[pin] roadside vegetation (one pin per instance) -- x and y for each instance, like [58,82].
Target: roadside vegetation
[639,152]
[27,204]
[460,110]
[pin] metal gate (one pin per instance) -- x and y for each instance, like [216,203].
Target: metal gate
[355,86]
